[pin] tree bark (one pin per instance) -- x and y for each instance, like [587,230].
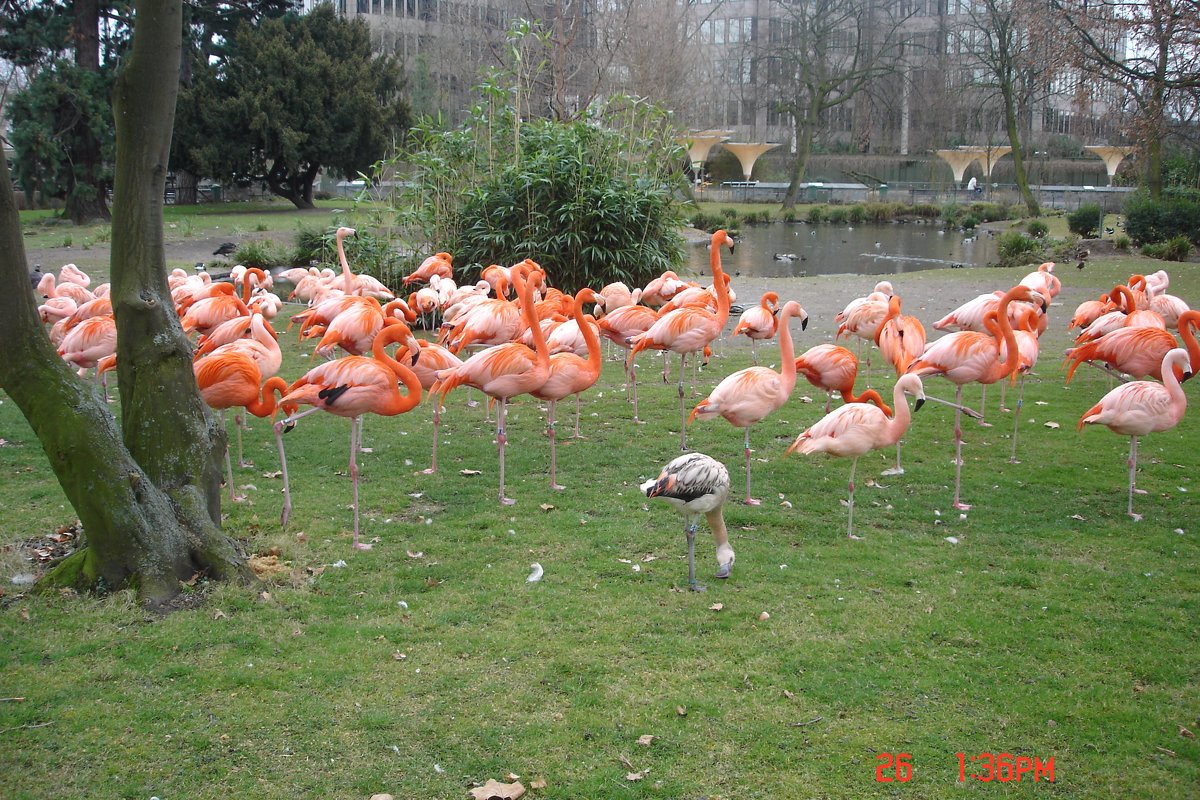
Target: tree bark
[804,138]
[86,200]
[292,187]
[1014,140]
[147,495]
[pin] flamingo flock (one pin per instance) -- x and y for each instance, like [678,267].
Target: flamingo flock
[511,334]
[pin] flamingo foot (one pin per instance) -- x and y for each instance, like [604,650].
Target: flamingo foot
[1013,460]
[962,506]
[558,487]
[696,587]
[983,424]
[892,471]
[285,515]
[245,463]
[1135,517]
[507,501]
[750,501]
[723,570]
[854,536]
[362,546]
[1140,491]
[472,403]
[429,471]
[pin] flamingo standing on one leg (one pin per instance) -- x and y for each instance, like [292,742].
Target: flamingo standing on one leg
[353,386]
[696,484]
[506,370]
[433,359]
[759,322]
[901,340]
[969,356]
[570,375]
[858,428]
[1141,407]
[690,330]
[750,395]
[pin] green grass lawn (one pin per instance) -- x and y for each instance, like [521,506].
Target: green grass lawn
[1054,628]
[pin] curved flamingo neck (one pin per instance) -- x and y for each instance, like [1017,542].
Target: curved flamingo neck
[265,405]
[525,291]
[398,332]
[893,311]
[787,350]
[714,263]
[247,288]
[590,338]
[1127,302]
[1187,323]
[1010,360]
[348,280]
[901,416]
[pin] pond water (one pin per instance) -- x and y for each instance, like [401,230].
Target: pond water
[867,249]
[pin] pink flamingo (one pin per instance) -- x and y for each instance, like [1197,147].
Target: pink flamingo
[439,264]
[1141,407]
[1138,352]
[87,343]
[350,283]
[353,386]
[759,322]
[1028,349]
[689,330]
[506,370]
[432,359]
[858,428]
[901,340]
[969,356]
[834,368]
[571,374]
[696,484]
[622,325]
[750,395]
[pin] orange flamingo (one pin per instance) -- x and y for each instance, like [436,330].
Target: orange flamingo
[235,380]
[858,428]
[622,325]
[1088,312]
[969,316]
[968,357]
[689,330]
[759,322]
[1138,352]
[750,395]
[506,370]
[87,343]
[571,374]
[353,386]
[220,305]
[438,264]
[901,340]
[1141,407]
[1028,349]
[834,368]
[432,359]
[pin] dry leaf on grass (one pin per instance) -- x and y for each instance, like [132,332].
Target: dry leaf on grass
[277,473]
[538,783]
[1052,425]
[636,776]
[681,711]
[546,507]
[411,554]
[1185,733]
[266,566]
[716,606]
[646,739]
[469,472]
[788,695]
[495,790]
[626,763]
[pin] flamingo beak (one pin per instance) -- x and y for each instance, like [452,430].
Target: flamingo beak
[1187,375]
[804,322]
[920,402]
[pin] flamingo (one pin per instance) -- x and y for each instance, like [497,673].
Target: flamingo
[901,340]
[350,283]
[969,356]
[696,484]
[689,330]
[438,264]
[235,380]
[750,395]
[834,368]
[858,428]
[1138,352]
[571,374]
[622,325]
[1141,407]
[353,386]
[87,343]
[432,359]
[759,322]
[969,316]
[1088,312]
[1044,281]
[506,370]
[1028,349]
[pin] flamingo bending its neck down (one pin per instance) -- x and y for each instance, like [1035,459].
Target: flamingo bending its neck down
[696,484]
[353,386]
[1141,407]
[858,428]
[759,322]
[750,395]
[834,368]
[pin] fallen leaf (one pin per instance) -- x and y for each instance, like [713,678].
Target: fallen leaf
[495,790]
[624,561]
[1185,733]
[276,474]
[626,762]
[431,582]
[219,615]
[764,616]
[1078,517]
[546,507]
[716,606]
[469,472]
[646,739]
[398,656]
[511,777]
[634,776]
[382,797]
[681,711]
[24,614]
[648,559]
[1051,424]
[538,783]
[788,695]
[411,554]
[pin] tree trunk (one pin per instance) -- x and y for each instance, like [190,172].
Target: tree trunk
[290,187]
[148,504]
[86,200]
[804,137]
[1014,140]
[185,188]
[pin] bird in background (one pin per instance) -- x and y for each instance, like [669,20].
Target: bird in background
[834,368]
[1142,407]
[759,323]
[350,387]
[858,428]
[750,395]
[1138,352]
[901,340]
[432,359]
[696,484]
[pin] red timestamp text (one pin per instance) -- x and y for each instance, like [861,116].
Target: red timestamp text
[894,767]
[1004,768]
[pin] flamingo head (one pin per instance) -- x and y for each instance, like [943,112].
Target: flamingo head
[722,237]
[343,232]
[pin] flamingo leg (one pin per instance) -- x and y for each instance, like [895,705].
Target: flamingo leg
[682,408]
[437,424]
[754,351]
[750,501]
[553,448]
[828,399]
[983,408]
[850,523]
[104,385]
[362,449]
[666,367]
[238,424]
[1012,459]
[355,441]
[577,434]
[958,440]
[287,490]
[1133,477]
[898,469]
[501,439]
[690,532]
[228,465]
[1003,389]
[633,383]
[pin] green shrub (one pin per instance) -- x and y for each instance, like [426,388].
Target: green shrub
[970,222]
[1037,229]
[1148,220]
[1177,248]
[816,214]
[856,214]
[789,215]
[926,211]
[706,222]
[1122,242]
[1016,248]
[838,215]
[951,213]
[1085,221]
[262,253]
[990,212]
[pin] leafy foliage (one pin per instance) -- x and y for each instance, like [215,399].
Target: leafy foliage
[1177,248]
[1016,248]
[1085,220]
[1148,221]
[1037,229]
